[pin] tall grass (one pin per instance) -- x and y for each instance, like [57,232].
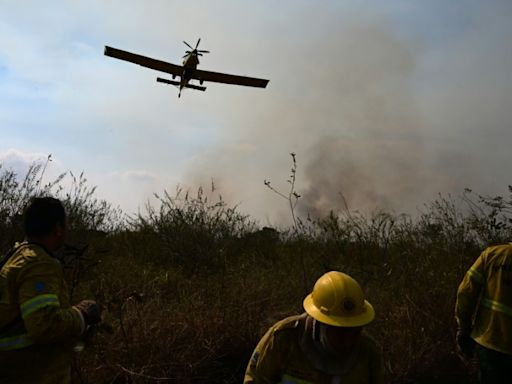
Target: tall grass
[189,287]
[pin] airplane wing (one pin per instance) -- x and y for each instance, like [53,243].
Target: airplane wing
[218,77]
[148,62]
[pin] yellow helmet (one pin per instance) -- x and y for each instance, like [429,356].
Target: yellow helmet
[338,300]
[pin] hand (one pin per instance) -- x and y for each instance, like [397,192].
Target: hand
[90,311]
[465,344]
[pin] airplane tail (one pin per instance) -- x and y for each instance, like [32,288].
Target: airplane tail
[196,87]
[160,80]
[177,83]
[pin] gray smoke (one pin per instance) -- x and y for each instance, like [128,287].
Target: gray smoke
[386,105]
[369,118]
[346,107]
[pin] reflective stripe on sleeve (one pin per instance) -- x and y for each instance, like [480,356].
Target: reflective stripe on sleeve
[477,276]
[14,342]
[38,302]
[287,379]
[496,306]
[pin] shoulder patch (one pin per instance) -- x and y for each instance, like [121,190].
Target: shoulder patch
[40,286]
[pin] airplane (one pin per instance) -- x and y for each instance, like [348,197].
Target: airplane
[187,71]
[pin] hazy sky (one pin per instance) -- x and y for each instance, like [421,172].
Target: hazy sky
[388,102]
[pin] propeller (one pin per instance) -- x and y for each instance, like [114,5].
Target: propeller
[195,51]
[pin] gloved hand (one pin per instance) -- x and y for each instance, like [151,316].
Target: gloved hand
[465,344]
[90,311]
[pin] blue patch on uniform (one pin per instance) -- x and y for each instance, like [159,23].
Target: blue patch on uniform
[40,286]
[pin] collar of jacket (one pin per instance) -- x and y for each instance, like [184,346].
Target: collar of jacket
[27,242]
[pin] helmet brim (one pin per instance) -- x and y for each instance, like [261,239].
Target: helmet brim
[357,320]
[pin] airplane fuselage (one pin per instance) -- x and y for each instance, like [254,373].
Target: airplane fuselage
[190,63]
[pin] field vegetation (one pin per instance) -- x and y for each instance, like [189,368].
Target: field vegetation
[188,288]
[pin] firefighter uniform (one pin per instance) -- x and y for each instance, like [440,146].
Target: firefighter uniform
[38,326]
[484,305]
[299,349]
[286,354]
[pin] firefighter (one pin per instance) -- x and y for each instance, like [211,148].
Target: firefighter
[326,344]
[483,312]
[38,326]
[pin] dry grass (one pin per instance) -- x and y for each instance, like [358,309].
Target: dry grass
[189,289]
